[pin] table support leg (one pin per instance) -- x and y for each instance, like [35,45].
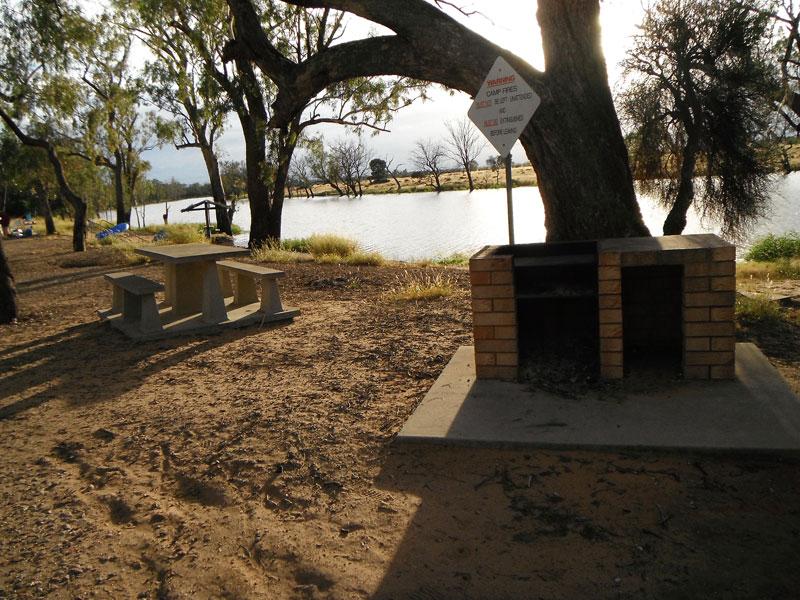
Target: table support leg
[213,302]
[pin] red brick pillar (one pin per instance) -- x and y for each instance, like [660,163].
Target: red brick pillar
[609,289]
[494,316]
[709,294]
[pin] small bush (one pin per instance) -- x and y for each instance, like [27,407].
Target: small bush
[452,260]
[428,285]
[775,247]
[757,308]
[274,253]
[369,259]
[295,244]
[319,244]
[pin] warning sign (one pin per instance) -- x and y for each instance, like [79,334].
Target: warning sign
[503,106]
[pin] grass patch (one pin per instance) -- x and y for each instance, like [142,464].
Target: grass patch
[276,253]
[775,247]
[757,309]
[180,233]
[62,225]
[426,285]
[776,270]
[322,244]
[456,259]
[324,249]
[120,250]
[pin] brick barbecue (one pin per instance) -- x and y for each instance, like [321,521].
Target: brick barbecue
[621,305]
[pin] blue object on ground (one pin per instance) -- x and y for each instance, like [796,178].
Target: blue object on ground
[118,228]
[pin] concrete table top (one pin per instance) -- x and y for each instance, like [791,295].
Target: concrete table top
[186,253]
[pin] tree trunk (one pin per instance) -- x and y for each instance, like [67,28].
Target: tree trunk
[675,222]
[8,292]
[437,186]
[574,140]
[79,228]
[44,208]
[469,178]
[217,189]
[119,189]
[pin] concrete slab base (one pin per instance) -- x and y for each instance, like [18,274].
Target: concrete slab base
[237,316]
[755,412]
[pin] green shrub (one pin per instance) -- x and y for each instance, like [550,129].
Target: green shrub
[453,259]
[758,308]
[295,244]
[775,247]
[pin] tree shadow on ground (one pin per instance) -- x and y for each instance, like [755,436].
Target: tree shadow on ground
[535,524]
[92,362]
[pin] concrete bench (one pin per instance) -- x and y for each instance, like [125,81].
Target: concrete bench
[245,290]
[134,298]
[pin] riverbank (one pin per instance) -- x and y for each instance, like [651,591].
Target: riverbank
[258,463]
[483,179]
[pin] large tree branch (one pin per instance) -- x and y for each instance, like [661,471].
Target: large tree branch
[427,56]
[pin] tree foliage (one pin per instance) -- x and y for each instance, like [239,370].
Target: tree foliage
[699,103]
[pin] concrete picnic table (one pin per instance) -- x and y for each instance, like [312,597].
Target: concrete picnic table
[191,279]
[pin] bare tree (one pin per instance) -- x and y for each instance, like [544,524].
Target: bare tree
[464,145]
[394,172]
[351,159]
[301,175]
[429,156]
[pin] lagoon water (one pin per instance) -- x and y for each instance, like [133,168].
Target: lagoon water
[422,225]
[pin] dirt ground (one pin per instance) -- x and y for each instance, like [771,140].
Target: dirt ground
[258,464]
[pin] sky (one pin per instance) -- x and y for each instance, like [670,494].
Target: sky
[514,28]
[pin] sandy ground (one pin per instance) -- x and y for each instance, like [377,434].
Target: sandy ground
[259,464]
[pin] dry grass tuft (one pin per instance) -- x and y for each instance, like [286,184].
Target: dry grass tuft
[426,285]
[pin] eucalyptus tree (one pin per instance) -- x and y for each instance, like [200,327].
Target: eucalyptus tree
[299,34]
[464,145]
[179,83]
[37,90]
[27,172]
[574,140]
[700,102]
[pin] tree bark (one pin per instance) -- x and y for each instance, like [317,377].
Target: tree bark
[117,168]
[44,208]
[675,222]
[217,188]
[574,140]
[8,291]
[469,178]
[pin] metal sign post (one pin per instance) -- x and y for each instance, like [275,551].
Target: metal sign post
[501,110]
[509,202]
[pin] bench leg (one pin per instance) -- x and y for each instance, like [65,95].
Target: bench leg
[117,300]
[225,282]
[131,307]
[142,312]
[246,292]
[270,297]
[150,322]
